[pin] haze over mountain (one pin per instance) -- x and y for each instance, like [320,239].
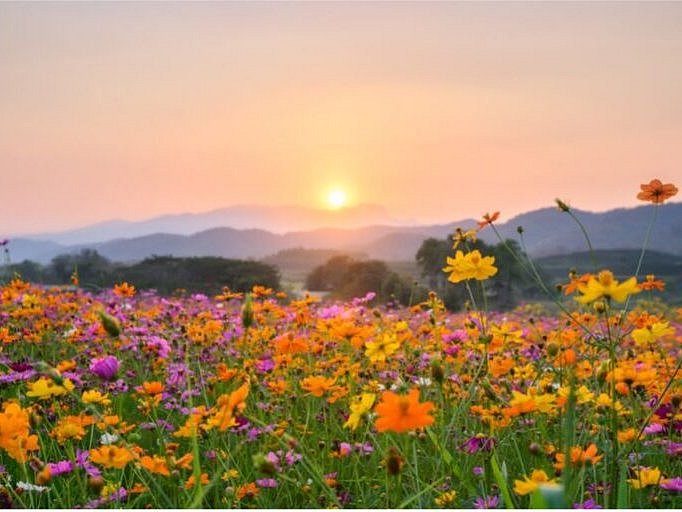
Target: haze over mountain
[276,219]
[545,232]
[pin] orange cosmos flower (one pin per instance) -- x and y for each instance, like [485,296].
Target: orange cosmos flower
[14,432]
[317,386]
[155,464]
[576,281]
[150,388]
[247,491]
[488,219]
[400,413]
[124,290]
[111,456]
[226,407]
[191,483]
[652,283]
[656,192]
[579,457]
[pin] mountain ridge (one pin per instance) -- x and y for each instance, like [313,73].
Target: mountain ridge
[546,231]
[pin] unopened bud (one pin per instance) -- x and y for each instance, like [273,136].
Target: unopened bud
[437,373]
[562,206]
[95,483]
[394,462]
[263,465]
[247,311]
[110,324]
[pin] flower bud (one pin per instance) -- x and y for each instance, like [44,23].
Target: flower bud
[110,324]
[247,311]
[394,462]
[96,483]
[263,465]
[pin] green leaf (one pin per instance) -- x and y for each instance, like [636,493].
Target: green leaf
[501,482]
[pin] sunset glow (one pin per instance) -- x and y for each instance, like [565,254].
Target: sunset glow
[133,110]
[337,199]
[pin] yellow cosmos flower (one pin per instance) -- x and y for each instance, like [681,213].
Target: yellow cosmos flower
[529,484]
[95,397]
[361,405]
[606,287]
[46,388]
[381,348]
[470,266]
[652,333]
[645,477]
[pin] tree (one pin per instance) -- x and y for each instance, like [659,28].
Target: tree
[346,278]
[503,290]
[92,268]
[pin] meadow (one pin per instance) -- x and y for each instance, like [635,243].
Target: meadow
[125,398]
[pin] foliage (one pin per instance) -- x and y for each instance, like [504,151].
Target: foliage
[344,278]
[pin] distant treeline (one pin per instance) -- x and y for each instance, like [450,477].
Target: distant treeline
[165,274]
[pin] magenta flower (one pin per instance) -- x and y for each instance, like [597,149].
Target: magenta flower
[105,367]
[267,483]
[672,484]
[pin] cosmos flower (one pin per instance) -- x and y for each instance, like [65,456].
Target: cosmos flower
[382,347]
[644,477]
[656,192]
[45,388]
[360,406]
[105,367]
[401,413]
[15,438]
[606,287]
[111,456]
[672,484]
[537,478]
[470,266]
[317,385]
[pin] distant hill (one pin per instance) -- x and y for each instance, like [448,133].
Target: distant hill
[277,219]
[622,262]
[549,231]
[546,232]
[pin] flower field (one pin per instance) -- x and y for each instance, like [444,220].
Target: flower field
[129,399]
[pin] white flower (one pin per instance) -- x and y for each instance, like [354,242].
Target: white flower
[108,439]
[423,381]
[24,486]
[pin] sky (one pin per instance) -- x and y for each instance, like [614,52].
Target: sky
[436,111]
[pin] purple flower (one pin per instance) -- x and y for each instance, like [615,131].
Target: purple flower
[268,483]
[672,448]
[364,449]
[120,495]
[487,502]
[83,462]
[477,443]
[60,468]
[292,458]
[265,365]
[589,504]
[105,367]
[478,471]
[672,484]
[654,428]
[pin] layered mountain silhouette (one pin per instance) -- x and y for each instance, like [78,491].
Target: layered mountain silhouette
[547,231]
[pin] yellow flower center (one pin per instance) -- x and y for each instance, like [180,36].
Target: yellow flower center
[605,277]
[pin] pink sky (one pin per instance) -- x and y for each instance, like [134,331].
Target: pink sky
[437,111]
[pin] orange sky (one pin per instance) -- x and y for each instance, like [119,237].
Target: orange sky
[438,111]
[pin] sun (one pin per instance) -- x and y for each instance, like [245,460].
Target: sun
[336,199]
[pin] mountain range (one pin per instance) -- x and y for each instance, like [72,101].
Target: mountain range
[546,231]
